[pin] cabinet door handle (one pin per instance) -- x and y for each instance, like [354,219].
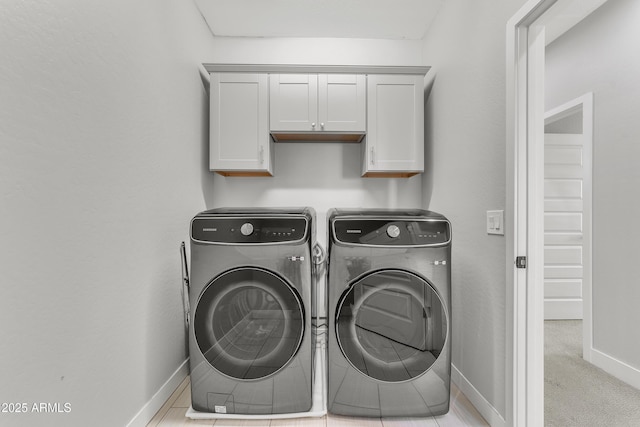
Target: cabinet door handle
[261,154]
[373,155]
[322,125]
[313,125]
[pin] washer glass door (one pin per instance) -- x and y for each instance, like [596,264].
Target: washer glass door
[391,325]
[248,323]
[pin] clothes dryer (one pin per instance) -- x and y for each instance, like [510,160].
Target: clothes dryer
[389,291]
[250,340]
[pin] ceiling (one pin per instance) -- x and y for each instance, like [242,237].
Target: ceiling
[370,19]
[564,14]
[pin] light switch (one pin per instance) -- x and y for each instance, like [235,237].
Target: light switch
[495,222]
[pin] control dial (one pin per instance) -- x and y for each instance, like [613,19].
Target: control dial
[246,229]
[393,231]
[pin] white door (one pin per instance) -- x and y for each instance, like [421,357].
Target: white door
[395,129]
[239,134]
[342,102]
[293,100]
[563,225]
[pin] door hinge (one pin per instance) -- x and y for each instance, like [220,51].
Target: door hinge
[521,262]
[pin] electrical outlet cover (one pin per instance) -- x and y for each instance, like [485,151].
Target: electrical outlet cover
[495,222]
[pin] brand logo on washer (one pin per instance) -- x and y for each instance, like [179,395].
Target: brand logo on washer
[295,258]
[440,262]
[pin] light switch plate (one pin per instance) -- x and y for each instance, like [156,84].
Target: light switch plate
[495,222]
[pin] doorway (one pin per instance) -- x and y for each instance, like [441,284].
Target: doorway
[601,48]
[526,40]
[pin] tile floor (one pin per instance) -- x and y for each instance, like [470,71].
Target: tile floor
[461,414]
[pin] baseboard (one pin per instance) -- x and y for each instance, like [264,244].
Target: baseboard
[483,406]
[147,412]
[624,372]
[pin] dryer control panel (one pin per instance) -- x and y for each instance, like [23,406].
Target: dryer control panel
[392,232]
[251,230]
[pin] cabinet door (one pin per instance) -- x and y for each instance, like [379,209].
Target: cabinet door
[239,136]
[293,102]
[342,102]
[395,132]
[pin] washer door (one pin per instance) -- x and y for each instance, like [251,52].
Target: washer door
[248,323]
[391,325]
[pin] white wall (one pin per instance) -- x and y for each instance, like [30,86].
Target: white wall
[103,133]
[322,51]
[600,55]
[321,175]
[465,160]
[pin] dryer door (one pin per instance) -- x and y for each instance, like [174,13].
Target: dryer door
[248,323]
[391,325]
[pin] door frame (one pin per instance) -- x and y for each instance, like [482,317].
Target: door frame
[525,67]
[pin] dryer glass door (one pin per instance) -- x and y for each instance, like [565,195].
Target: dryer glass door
[248,323]
[391,325]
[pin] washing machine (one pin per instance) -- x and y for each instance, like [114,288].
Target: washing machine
[250,338]
[389,291]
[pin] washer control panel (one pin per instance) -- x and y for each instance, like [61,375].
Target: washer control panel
[391,232]
[252,230]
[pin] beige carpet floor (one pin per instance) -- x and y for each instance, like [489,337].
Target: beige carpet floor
[577,393]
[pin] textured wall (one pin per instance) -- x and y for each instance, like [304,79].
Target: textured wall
[331,51]
[321,175]
[465,160]
[102,132]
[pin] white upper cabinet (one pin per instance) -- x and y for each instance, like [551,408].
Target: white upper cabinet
[342,102]
[255,105]
[293,102]
[240,144]
[317,103]
[394,145]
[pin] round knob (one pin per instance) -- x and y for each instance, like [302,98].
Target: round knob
[313,125]
[393,231]
[322,125]
[246,229]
